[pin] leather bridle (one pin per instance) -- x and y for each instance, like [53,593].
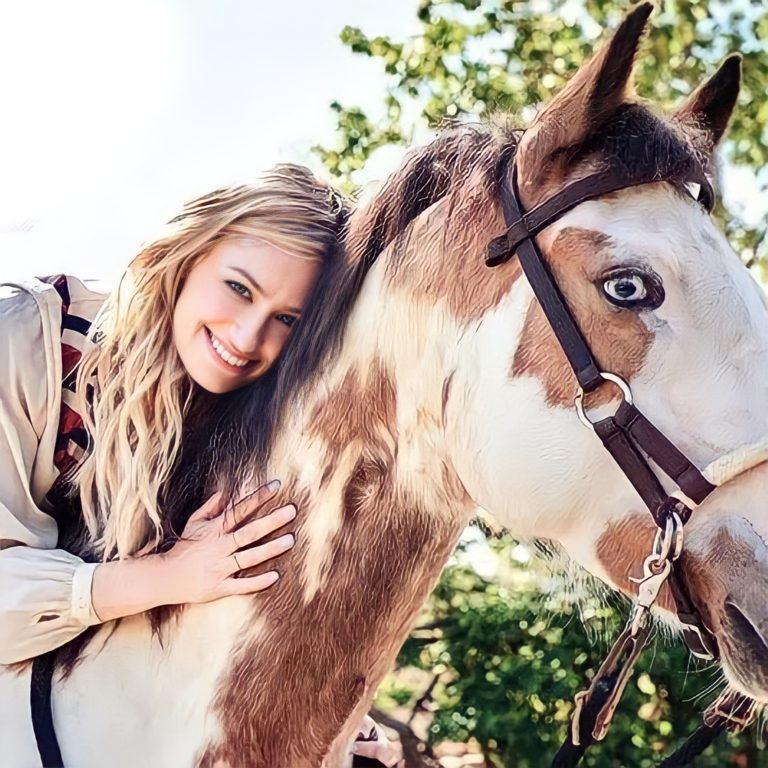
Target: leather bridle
[631,439]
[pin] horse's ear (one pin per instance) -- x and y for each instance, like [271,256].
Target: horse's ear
[587,101]
[710,106]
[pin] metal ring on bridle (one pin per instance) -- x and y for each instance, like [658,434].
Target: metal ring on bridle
[614,378]
[668,543]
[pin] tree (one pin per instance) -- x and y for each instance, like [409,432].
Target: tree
[473,58]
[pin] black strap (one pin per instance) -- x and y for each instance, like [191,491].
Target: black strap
[570,754]
[630,438]
[525,225]
[552,302]
[672,461]
[693,746]
[42,714]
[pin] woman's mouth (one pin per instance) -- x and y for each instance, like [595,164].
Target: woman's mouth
[226,359]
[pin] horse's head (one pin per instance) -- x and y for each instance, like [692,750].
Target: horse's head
[664,303]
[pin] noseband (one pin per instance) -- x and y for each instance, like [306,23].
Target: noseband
[631,439]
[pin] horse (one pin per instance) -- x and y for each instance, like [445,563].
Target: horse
[448,391]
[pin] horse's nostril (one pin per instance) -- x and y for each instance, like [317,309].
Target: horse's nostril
[747,632]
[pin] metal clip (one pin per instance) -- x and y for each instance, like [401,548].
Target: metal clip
[618,666]
[656,573]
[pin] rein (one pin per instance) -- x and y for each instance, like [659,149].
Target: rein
[632,440]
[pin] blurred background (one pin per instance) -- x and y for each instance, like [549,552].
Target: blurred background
[115,113]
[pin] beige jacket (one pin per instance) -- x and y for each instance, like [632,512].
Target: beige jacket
[45,593]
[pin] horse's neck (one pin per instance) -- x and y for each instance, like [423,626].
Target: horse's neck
[380,512]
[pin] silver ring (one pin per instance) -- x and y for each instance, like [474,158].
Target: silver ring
[614,378]
[668,543]
[234,556]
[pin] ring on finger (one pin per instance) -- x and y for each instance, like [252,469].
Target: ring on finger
[234,556]
[234,539]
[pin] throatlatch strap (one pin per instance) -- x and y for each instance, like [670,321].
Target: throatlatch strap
[42,713]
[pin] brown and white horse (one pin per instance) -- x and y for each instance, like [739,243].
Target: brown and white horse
[449,392]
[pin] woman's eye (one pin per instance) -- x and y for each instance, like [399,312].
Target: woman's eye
[239,288]
[633,290]
[288,320]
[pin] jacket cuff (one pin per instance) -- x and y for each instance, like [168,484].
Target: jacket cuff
[82,604]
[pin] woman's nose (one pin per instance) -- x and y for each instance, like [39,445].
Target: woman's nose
[248,333]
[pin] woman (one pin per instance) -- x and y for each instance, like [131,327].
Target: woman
[109,410]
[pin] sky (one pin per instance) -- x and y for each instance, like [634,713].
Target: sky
[116,113]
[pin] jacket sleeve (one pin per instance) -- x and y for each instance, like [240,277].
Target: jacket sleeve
[45,593]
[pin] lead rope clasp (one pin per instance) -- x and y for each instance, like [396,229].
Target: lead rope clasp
[620,662]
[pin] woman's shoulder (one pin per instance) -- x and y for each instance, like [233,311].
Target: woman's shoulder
[38,318]
[24,304]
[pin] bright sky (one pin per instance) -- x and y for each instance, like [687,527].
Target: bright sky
[115,113]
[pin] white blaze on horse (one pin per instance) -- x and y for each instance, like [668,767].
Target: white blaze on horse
[449,391]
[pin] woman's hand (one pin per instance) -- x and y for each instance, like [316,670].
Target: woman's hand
[372,743]
[201,565]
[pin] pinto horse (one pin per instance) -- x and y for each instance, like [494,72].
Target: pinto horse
[448,391]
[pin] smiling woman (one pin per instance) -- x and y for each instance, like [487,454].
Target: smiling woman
[236,310]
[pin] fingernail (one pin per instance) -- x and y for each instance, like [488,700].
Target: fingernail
[273,485]
[290,511]
[271,576]
[287,540]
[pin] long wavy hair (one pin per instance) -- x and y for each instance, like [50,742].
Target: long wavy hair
[134,393]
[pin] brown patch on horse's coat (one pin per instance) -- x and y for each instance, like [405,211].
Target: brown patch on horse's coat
[459,228]
[622,549]
[363,410]
[328,647]
[618,338]
[325,654]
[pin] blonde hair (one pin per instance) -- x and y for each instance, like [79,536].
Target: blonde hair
[133,390]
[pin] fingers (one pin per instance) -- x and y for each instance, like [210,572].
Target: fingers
[245,506]
[373,743]
[259,528]
[209,510]
[247,558]
[251,584]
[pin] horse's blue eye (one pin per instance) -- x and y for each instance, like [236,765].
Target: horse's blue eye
[631,289]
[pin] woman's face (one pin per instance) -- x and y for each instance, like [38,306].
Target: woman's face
[236,309]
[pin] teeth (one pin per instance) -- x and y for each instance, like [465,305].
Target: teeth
[224,355]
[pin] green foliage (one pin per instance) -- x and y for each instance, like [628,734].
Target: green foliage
[472,58]
[509,661]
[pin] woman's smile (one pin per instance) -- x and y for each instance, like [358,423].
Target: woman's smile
[224,357]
